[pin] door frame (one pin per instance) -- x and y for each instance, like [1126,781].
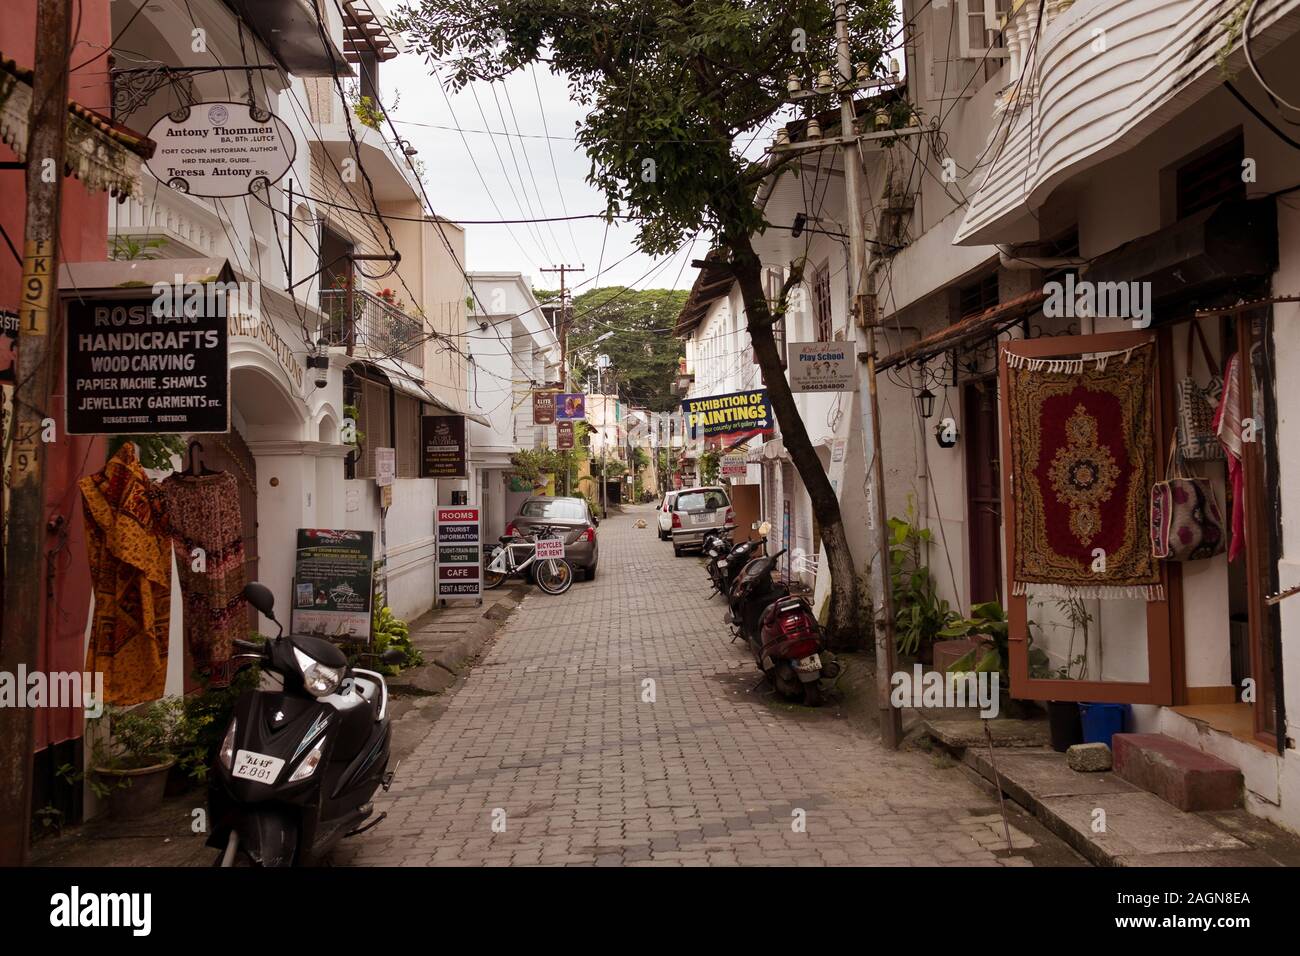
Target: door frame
[1159,687]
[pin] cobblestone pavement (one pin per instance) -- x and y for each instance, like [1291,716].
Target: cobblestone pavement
[551,739]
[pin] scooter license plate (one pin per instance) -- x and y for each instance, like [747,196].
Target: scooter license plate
[809,664]
[259,768]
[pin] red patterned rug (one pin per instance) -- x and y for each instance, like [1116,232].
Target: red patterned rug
[1082,460]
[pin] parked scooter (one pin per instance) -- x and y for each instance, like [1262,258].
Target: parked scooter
[716,546]
[781,630]
[734,561]
[300,761]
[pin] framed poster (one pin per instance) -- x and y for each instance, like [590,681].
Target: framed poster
[442,446]
[570,407]
[460,553]
[333,582]
[139,365]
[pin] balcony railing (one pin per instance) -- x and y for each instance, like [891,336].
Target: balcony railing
[376,325]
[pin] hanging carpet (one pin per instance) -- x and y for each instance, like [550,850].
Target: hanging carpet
[1083,463]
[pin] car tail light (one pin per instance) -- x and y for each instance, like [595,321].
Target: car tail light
[511,529]
[589,534]
[677,520]
[730,518]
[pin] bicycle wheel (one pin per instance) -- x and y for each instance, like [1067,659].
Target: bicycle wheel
[492,579]
[554,576]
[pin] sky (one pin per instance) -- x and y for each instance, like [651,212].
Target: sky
[494,177]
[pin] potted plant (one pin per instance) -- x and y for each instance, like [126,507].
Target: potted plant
[988,624]
[130,762]
[920,615]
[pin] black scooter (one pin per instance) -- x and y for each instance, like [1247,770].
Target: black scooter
[300,762]
[716,547]
[734,561]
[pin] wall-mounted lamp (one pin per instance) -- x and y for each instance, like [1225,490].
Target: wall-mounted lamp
[925,403]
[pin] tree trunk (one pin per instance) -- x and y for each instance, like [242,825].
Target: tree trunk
[843,630]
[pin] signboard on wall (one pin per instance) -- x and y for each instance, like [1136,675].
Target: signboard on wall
[460,553]
[727,414]
[544,407]
[333,581]
[220,149]
[570,407]
[385,466]
[143,365]
[8,346]
[822,367]
[442,446]
[734,466]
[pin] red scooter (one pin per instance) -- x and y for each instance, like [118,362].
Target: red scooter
[781,630]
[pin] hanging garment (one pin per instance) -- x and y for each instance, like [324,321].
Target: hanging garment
[1083,467]
[129,547]
[1228,420]
[208,535]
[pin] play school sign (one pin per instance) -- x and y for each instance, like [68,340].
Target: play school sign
[727,414]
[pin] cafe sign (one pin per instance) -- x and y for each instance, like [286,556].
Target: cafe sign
[220,149]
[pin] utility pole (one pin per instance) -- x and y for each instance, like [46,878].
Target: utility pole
[891,719]
[563,330]
[20,637]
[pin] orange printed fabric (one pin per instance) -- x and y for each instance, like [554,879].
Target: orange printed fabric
[130,567]
[1082,461]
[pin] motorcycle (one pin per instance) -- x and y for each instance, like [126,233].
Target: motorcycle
[716,546]
[304,753]
[781,630]
[734,561]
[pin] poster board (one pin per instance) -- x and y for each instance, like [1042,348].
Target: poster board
[442,447]
[460,553]
[333,583]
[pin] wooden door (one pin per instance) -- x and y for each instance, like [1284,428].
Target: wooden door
[983,489]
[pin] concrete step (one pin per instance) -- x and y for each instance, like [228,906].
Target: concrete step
[1183,776]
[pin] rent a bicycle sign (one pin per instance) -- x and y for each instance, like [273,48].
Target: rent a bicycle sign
[460,553]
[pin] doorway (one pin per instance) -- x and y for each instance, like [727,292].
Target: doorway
[983,489]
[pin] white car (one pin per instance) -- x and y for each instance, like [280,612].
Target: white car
[665,515]
[697,511]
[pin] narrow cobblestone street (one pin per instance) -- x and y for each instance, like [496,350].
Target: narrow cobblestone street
[551,730]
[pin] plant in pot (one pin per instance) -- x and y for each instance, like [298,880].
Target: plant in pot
[988,624]
[132,757]
[920,615]
[1063,718]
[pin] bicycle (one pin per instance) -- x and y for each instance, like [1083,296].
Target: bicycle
[553,575]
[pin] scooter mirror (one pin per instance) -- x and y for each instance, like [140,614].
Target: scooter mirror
[260,596]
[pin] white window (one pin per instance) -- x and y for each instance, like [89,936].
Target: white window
[979,25]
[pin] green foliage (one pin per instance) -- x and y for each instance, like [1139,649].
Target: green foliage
[710,462]
[368,112]
[533,463]
[126,248]
[643,355]
[920,615]
[392,632]
[989,620]
[207,717]
[155,450]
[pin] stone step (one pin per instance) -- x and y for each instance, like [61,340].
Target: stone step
[1177,773]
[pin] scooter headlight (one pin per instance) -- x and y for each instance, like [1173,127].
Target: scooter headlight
[227,753]
[321,681]
[309,763]
[722,564]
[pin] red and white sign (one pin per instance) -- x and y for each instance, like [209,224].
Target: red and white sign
[548,548]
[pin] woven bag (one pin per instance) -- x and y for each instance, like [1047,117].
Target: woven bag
[1196,403]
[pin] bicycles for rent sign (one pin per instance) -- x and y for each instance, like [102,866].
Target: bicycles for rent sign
[332,583]
[460,553]
[220,149]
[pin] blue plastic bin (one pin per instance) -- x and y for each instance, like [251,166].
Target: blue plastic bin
[1101,722]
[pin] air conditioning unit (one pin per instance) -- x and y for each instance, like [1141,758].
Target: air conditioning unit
[979,28]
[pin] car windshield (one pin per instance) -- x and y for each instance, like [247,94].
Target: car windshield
[701,501]
[565,508]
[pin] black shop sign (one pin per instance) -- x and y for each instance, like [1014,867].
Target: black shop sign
[139,366]
[442,446]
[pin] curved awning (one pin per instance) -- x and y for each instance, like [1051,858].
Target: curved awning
[417,390]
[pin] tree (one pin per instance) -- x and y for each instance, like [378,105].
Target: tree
[671,86]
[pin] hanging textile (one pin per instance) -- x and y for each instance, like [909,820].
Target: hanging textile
[1228,422]
[130,567]
[207,528]
[1082,461]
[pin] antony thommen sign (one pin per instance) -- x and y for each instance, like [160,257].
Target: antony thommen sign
[727,414]
[220,149]
[139,365]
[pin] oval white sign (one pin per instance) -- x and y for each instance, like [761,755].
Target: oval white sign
[220,149]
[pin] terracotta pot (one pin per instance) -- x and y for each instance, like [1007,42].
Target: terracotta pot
[137,792]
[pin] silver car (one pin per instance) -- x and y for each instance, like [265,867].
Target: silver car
[570,514]
[698,510]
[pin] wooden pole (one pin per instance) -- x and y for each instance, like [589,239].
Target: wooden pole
[20,637]
[882,604]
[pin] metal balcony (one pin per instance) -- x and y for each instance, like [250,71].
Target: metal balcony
[377,326]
